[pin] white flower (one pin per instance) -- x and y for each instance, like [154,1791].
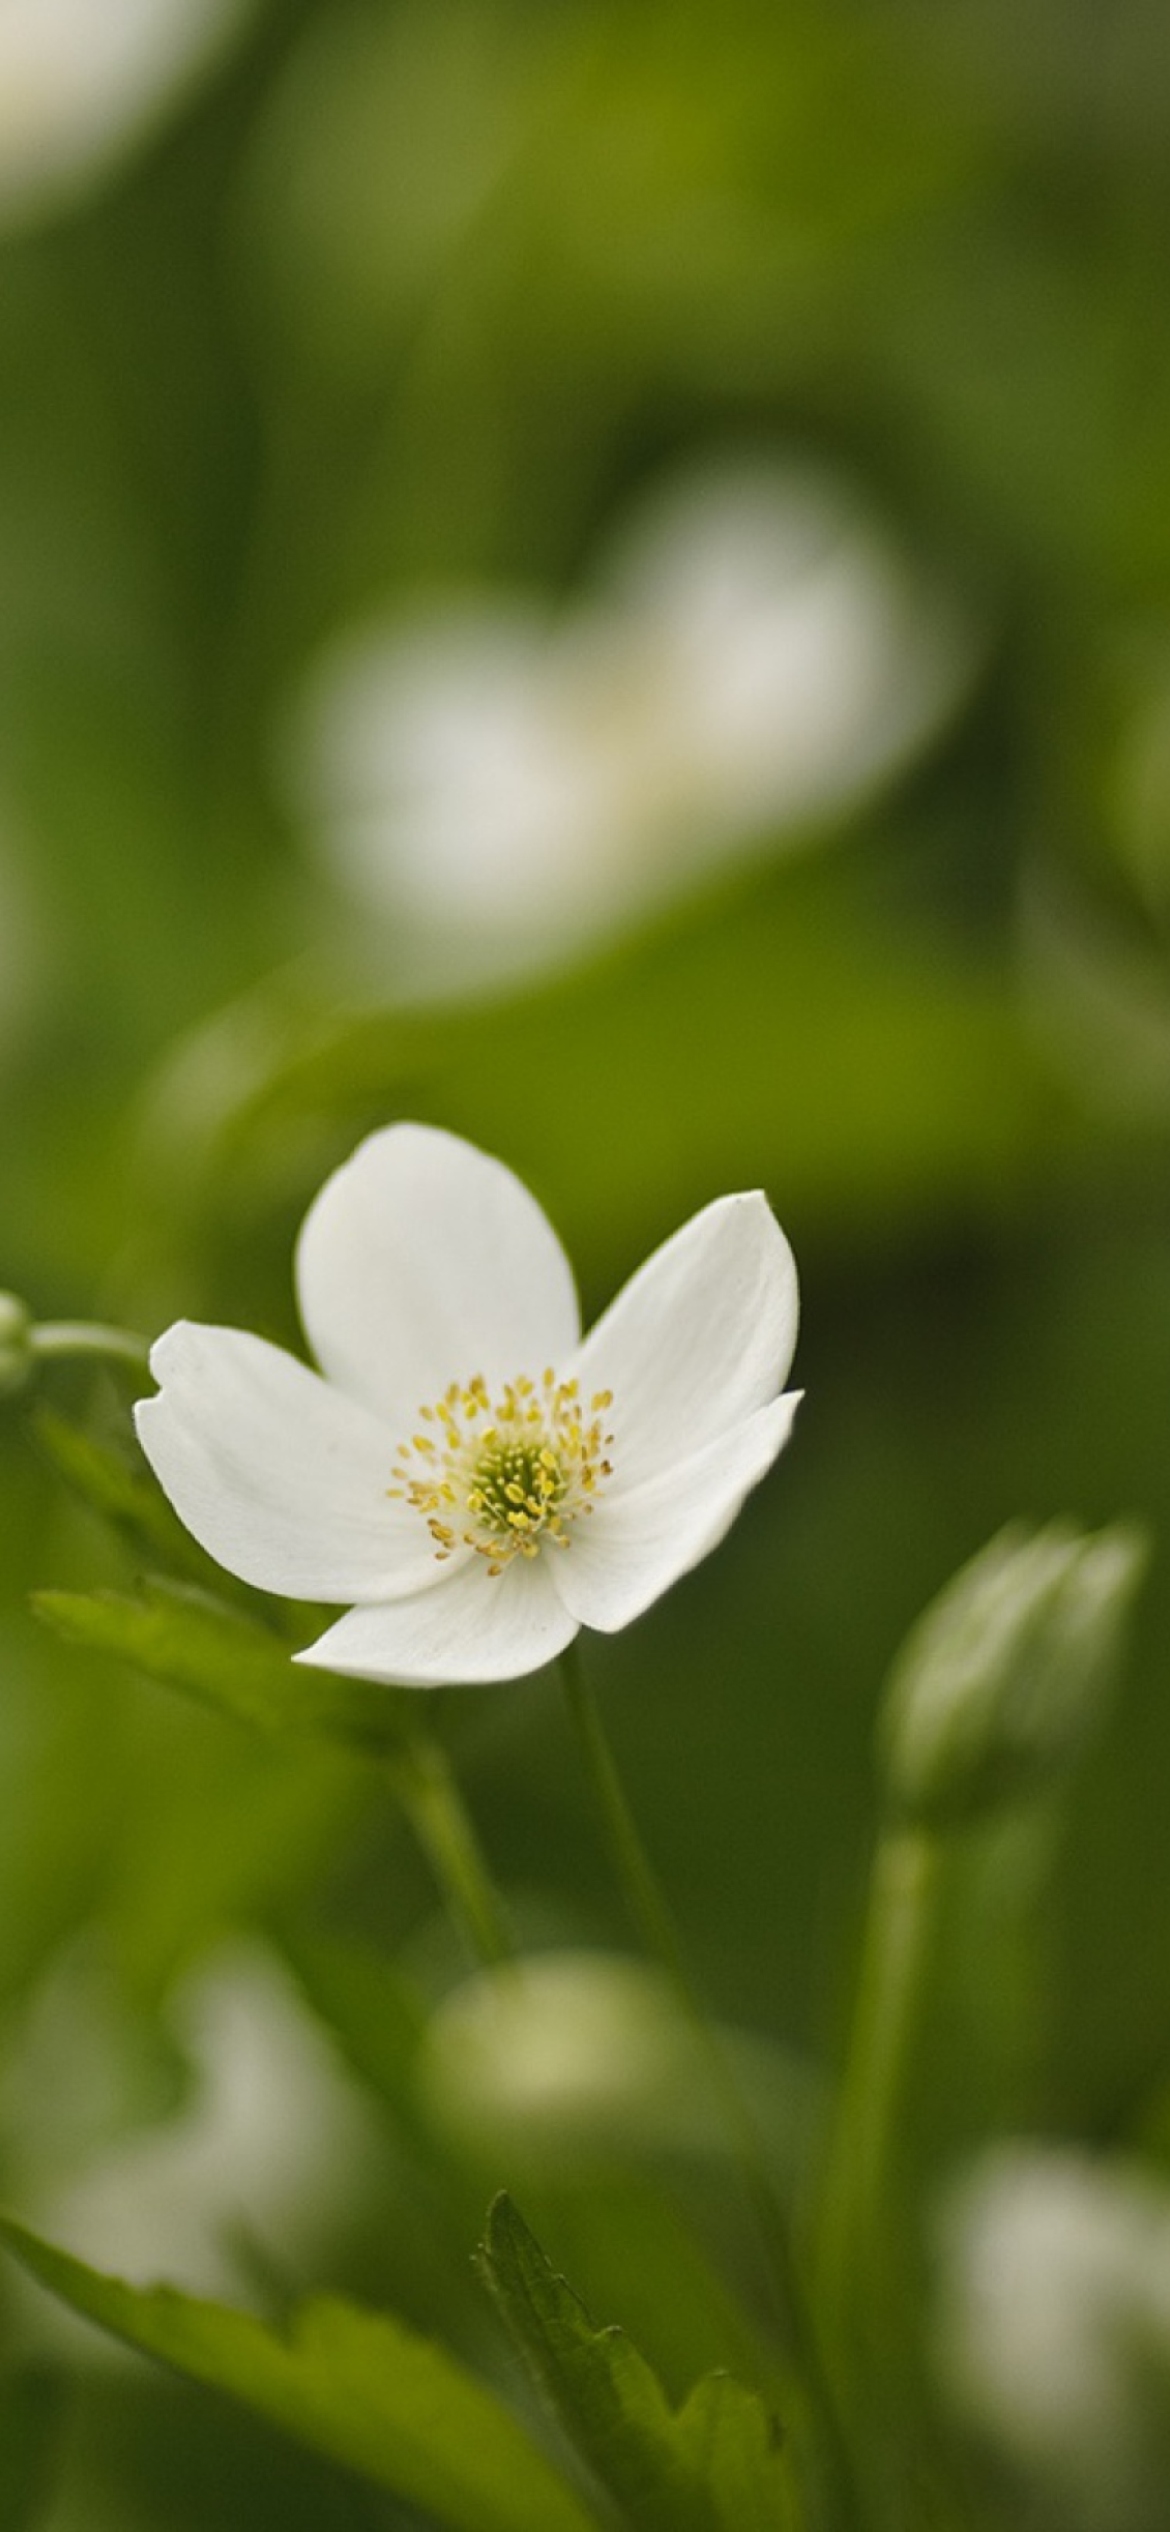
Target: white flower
[506,782]
[79,80]
[271,2144]
[1053,2329]
[566,2059]
[471,1477]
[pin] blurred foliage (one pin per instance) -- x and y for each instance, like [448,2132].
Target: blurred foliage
[406,296]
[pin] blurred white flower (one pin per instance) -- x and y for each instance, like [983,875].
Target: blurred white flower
[565,2058]
[566,2051]
[506,783]
[477,1477]
[267,2153]
[1054,2331]
[80,79]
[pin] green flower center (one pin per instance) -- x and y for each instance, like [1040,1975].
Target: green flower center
[517,1485]
[505,1476]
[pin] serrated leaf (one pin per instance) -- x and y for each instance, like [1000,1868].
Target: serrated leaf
[358,2386]
[711,2467]
[30,2426]
[191,1641]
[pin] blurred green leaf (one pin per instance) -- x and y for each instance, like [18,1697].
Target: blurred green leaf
[358,2386]
[712,2466]
[775,1037]
[30,2426]
[119,1492]
[225,1828]
[373,2011]
[190,1641]
[732,2442]
[377,2018]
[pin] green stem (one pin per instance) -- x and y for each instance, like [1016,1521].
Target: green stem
[862,2225]
[73,1339]
[640,1885]
[426,1787]
[648,1908]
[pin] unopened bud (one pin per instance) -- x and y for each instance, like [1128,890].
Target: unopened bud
[999,1684]
[568,2058]
[15,1349]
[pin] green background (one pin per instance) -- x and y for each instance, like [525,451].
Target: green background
[406,295]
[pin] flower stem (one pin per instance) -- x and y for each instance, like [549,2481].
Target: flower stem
[73,1339]
[861,2225]
[825,2466]
[640,1886]
[426,1787]
[649,1910]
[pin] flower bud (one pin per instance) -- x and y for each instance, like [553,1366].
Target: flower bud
[15,1349]
[999,1684]
[569,2059]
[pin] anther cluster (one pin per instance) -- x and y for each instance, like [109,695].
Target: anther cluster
[503,1476]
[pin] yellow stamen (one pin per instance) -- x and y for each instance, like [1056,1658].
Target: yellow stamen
[502,1475]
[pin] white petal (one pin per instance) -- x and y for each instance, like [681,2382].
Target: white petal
[423,1261]
[631,1549]
[476,1627]
[279,1477]
[699,1338]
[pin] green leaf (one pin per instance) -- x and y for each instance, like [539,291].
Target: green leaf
[190,1641]
[357,2386]
[733,2443]
[30,2426]
[377,2019]
[712,2466]
[374,2012]
[119,1492]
